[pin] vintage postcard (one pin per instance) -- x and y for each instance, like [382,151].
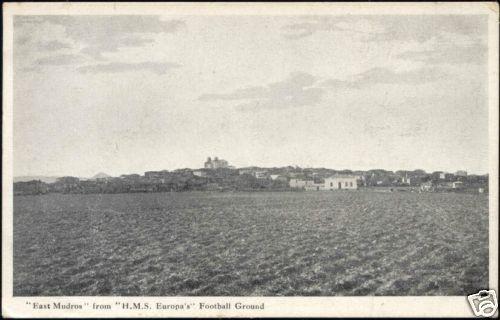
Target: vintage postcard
[250,160]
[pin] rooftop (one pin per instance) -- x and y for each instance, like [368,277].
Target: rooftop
[343,176]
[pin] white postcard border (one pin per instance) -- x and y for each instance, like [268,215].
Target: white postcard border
[421,306]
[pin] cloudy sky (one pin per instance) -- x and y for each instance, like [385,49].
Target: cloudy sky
[127,94]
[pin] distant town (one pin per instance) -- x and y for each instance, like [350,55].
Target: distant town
[218,175]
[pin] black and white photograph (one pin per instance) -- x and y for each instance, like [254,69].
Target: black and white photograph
[315,153]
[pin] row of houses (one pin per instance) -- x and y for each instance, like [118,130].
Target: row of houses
[337,182]
[315,179]
[352,182]
[431,186]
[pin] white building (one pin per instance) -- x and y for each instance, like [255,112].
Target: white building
[260,174]
[298,183]
[339,182]
[200,173]
[426,186]
[313,186]
[457,184]
[245,171]
[406,180]
[216,163]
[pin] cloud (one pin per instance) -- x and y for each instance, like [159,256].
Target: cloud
[418,28]
[381,75]
[117,67]
[305,29]
[425,27]
[471,54]
[295,91]
[302,89]
[336,83]
[450,39]
[245,93]
[98,35]
[113,45]
[408,130]
[53,45]
[387,76]
[58,60]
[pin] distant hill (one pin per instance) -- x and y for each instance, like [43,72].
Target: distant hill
[100,175]
[49,179]
[41,178]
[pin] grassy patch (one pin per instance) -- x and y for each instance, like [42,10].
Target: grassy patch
[292,244]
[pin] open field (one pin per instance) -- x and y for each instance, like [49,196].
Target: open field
[289,243]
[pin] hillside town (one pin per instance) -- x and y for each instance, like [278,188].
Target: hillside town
[218,175]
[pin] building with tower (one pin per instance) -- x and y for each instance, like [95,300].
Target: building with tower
[216,163]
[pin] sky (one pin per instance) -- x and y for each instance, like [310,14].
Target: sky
[129,94]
